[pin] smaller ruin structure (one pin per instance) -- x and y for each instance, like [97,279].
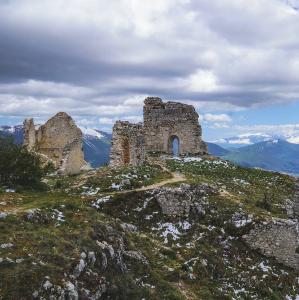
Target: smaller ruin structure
[164,124]
[58,141]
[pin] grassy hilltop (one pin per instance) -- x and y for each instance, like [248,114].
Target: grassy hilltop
[104,236]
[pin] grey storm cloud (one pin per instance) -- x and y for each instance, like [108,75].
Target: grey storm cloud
[92,57]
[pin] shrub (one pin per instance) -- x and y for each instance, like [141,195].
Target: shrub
[265,203]
[18,167]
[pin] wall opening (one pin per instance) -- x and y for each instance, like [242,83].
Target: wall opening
[174,145]
[126,151]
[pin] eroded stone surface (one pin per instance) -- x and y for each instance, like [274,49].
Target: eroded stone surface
[59,140]
[163,122]
[180,201]
[296,201]
[127,144]
[278,239]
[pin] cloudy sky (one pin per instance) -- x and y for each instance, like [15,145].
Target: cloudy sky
[236,61]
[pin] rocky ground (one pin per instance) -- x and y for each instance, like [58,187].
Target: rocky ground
[106,236]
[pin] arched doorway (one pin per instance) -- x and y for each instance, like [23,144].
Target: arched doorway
[126,151]
[174,146]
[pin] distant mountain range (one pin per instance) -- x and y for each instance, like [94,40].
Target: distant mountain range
[249,150]
[254,138]
[275,155]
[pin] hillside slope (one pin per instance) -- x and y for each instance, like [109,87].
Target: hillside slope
[276,155]
[216,150]
[90,237]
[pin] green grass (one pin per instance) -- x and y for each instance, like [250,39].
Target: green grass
[207,261]
[248,186]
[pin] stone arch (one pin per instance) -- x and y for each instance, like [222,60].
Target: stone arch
[126,150]
[174,145]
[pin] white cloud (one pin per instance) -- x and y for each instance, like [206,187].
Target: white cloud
[202,81]
[106,121]
[217,118]
[102,58]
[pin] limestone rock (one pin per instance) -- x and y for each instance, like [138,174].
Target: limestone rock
[296,200]
[59,141]
[179,201]
[278,239]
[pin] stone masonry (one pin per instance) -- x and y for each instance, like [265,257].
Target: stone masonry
[127,144]
[58,141]
[163,122]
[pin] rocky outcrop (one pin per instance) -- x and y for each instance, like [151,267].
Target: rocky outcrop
[278,239]
[296,201]
[58,141]
[180,201]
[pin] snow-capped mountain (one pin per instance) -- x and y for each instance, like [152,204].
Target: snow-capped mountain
[96,146]
[243,140]
[15,131]
[247,139]
[94,133]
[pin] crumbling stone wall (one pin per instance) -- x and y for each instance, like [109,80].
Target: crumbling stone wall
[127,144]
[165,121]
[29,134]
[59,140]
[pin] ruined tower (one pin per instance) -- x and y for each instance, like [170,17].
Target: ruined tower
[59,141]
[163,124]
[127,144]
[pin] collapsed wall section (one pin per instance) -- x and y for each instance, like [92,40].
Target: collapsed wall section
[127,144]
[164,122]
[59,141]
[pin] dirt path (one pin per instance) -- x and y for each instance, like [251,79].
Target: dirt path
[176,177]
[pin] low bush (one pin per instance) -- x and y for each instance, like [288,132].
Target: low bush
[19,167]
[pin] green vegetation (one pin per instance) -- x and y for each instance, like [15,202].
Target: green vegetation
[18,167]
[254,188]
[201,256]
[126,178]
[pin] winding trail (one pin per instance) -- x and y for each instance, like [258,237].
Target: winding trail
[176,177]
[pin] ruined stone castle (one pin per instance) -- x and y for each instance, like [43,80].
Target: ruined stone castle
[163,124]
[58,141]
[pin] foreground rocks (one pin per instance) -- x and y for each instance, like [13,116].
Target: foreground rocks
[180,201]
[58,141]
[279,238]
